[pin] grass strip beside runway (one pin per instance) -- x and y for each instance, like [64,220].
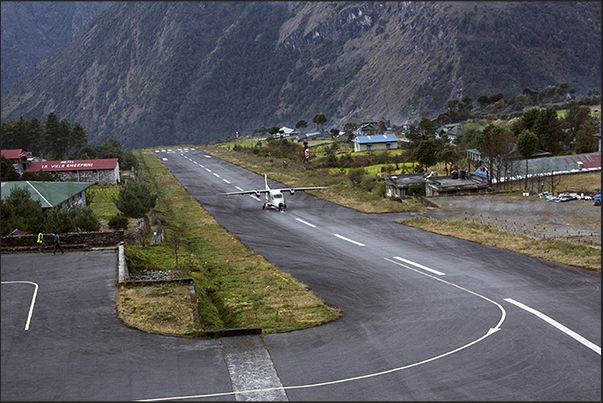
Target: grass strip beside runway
[234,286]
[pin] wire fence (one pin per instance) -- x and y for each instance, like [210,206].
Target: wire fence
[536,231]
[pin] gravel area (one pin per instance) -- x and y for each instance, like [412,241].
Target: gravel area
[530,215]
[152,275]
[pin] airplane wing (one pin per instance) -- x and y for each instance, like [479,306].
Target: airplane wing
[267,189]
[248,192]
[293,190]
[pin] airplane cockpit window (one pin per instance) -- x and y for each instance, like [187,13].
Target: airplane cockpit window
[278,196]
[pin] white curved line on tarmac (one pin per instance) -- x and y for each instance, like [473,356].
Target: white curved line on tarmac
[33,299]
[375,374]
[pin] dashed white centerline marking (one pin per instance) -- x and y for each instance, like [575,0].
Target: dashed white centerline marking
[165,159]
[238,188]
[348,239]
[305,222]
[216,175]
[208,170]
[558,325]
[226,181]
[439,273]
[207,156]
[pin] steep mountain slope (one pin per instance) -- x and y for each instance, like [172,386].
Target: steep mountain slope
[167,73]
[35,30]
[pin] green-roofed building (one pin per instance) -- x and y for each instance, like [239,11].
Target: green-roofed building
[51,194]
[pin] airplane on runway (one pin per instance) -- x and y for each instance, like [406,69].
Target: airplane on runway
[274,198]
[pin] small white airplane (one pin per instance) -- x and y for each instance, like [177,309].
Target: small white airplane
[274,198]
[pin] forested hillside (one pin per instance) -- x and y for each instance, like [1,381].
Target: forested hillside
[167,73]
[34,31]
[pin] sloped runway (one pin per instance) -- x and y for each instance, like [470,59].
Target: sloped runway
[425,317]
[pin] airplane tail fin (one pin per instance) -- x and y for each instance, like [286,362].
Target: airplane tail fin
[266,181]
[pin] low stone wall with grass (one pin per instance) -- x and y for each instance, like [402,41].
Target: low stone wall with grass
[69,241]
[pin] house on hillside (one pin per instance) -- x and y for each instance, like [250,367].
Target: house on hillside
[286,131]
[51,194]
[15,156]
[18,158]
[542,166]
[455,184]
[398,185]
[376,142]
[100,171]
[310,136]
[452,130]
[475,159]
[364,126]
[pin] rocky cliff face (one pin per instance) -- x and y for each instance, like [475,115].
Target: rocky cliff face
[402,45]
[167,73]
[34,31]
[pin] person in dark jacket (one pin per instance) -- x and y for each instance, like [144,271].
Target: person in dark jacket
[57,244]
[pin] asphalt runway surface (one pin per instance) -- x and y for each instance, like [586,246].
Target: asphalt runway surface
[425,316]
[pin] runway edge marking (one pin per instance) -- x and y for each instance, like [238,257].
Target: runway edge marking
[556,324]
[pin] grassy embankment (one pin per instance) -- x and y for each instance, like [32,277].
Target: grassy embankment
[555,250]
[234,286]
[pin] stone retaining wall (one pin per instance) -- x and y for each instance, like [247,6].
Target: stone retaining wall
[69,241]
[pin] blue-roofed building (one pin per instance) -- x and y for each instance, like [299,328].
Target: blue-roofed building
[376,142]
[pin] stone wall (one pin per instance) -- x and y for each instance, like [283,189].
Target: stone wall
[101,176]
[69,241]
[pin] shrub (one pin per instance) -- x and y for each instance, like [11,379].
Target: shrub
[118,222]
[135,199]
[368,184]
[85,219]
[356,175]
[59,220]
[380,189]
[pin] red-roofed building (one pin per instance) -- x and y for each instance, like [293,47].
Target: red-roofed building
[100,171]
[14,155]
[18,158]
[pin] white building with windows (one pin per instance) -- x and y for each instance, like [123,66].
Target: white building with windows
[375,142]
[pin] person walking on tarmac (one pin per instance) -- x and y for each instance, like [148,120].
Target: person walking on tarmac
[41,241]
[57,244]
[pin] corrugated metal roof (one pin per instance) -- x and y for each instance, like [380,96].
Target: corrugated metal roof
[50,194]
[73,165]
[376,138]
